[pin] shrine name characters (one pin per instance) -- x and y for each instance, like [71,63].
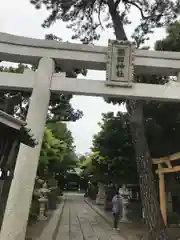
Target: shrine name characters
[120,65]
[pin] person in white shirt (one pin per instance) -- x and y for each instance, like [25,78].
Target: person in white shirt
[116,209]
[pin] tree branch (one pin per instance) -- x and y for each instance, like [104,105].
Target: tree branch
[138,7]
[117,3]
[99,14]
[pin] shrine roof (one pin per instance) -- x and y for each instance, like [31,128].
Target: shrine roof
[18,126]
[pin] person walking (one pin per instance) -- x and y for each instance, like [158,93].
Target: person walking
[116,209]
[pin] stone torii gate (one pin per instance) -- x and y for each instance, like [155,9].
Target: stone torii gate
[119,59]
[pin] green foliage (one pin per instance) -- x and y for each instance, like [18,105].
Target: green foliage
[114,143]
[94,167]
[57,152]
[82,159]
[162,128]
[85,18]
[162,119]
[60,130]
[172,40]
[51,152]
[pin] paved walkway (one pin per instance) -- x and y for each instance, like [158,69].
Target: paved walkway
[80,222]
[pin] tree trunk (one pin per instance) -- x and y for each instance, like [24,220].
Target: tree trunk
[153,216]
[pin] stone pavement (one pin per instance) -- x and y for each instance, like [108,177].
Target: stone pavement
[50,229]
[129,230]
[80,222]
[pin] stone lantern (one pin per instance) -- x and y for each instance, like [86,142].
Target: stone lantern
[43,201]
[125,195]
[100,198]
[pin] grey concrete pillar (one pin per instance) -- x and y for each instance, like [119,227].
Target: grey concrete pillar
[19,200]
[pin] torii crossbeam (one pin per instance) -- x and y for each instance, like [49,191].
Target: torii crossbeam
[87,87]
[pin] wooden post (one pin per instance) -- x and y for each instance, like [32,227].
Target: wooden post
[165,166]
[162,196]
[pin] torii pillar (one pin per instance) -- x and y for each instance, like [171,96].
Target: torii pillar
[20,195]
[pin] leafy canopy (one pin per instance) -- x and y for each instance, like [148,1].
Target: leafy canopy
[112,158]
[57,152]
[163,140]
[94,167]
[114,144]
[87,17]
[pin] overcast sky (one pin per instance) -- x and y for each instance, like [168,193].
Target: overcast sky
[19,17]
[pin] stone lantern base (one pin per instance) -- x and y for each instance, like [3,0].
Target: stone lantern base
[42,202]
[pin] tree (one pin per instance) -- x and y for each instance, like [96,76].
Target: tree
[114,143]
[57,152]
[60,131]
[164,140]
[85,20]
[52,152]
[95,167]
[162,129]
[172,40]
[82,159]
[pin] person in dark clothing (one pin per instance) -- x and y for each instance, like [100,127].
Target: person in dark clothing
[116,209]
